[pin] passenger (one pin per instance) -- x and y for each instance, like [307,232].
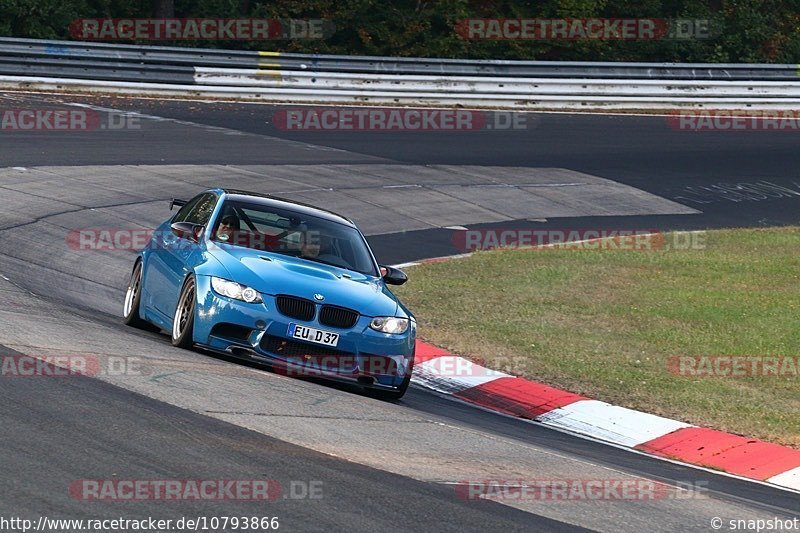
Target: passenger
[310,244]
[319,247]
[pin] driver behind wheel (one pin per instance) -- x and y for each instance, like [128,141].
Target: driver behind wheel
[227,227]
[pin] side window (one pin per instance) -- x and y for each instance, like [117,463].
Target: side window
[184,211]
[198,211]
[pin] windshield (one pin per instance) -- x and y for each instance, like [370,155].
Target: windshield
[289,233]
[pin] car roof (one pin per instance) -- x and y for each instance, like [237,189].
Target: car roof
[284,203]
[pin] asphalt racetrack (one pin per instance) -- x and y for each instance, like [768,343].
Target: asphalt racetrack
[379,465]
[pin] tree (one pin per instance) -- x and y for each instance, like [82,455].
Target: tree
[164,9]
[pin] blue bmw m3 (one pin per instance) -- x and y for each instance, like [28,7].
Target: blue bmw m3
[284,283]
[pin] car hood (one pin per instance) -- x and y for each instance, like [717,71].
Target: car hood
[272,274]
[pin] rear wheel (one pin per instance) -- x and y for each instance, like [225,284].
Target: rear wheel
[133,298]
[183,322]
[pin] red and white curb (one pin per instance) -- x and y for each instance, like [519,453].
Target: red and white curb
[467,381]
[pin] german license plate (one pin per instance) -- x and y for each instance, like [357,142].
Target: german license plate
[318,336]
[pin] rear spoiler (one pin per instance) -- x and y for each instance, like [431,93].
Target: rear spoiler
[176,201]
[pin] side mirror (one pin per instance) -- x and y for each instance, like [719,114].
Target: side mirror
[187,230]
[393,276]
[176,201]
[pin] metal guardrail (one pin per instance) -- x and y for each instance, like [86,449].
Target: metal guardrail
[273,76]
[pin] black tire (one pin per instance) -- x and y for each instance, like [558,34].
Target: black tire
[133,299]
[183,321]
[396,394]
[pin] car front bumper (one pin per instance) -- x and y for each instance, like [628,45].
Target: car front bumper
[259,331]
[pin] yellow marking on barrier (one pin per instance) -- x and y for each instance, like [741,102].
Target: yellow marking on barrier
[269,54]
[798,70]
[268,65]
[273,73]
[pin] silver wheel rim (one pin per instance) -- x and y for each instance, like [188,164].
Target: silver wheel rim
[183,312]
[133,290]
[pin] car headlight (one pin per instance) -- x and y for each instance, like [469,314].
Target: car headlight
[234,290]
[389,324]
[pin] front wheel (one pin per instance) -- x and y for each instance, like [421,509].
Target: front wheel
[183,322]
[397,393]
[133,299]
